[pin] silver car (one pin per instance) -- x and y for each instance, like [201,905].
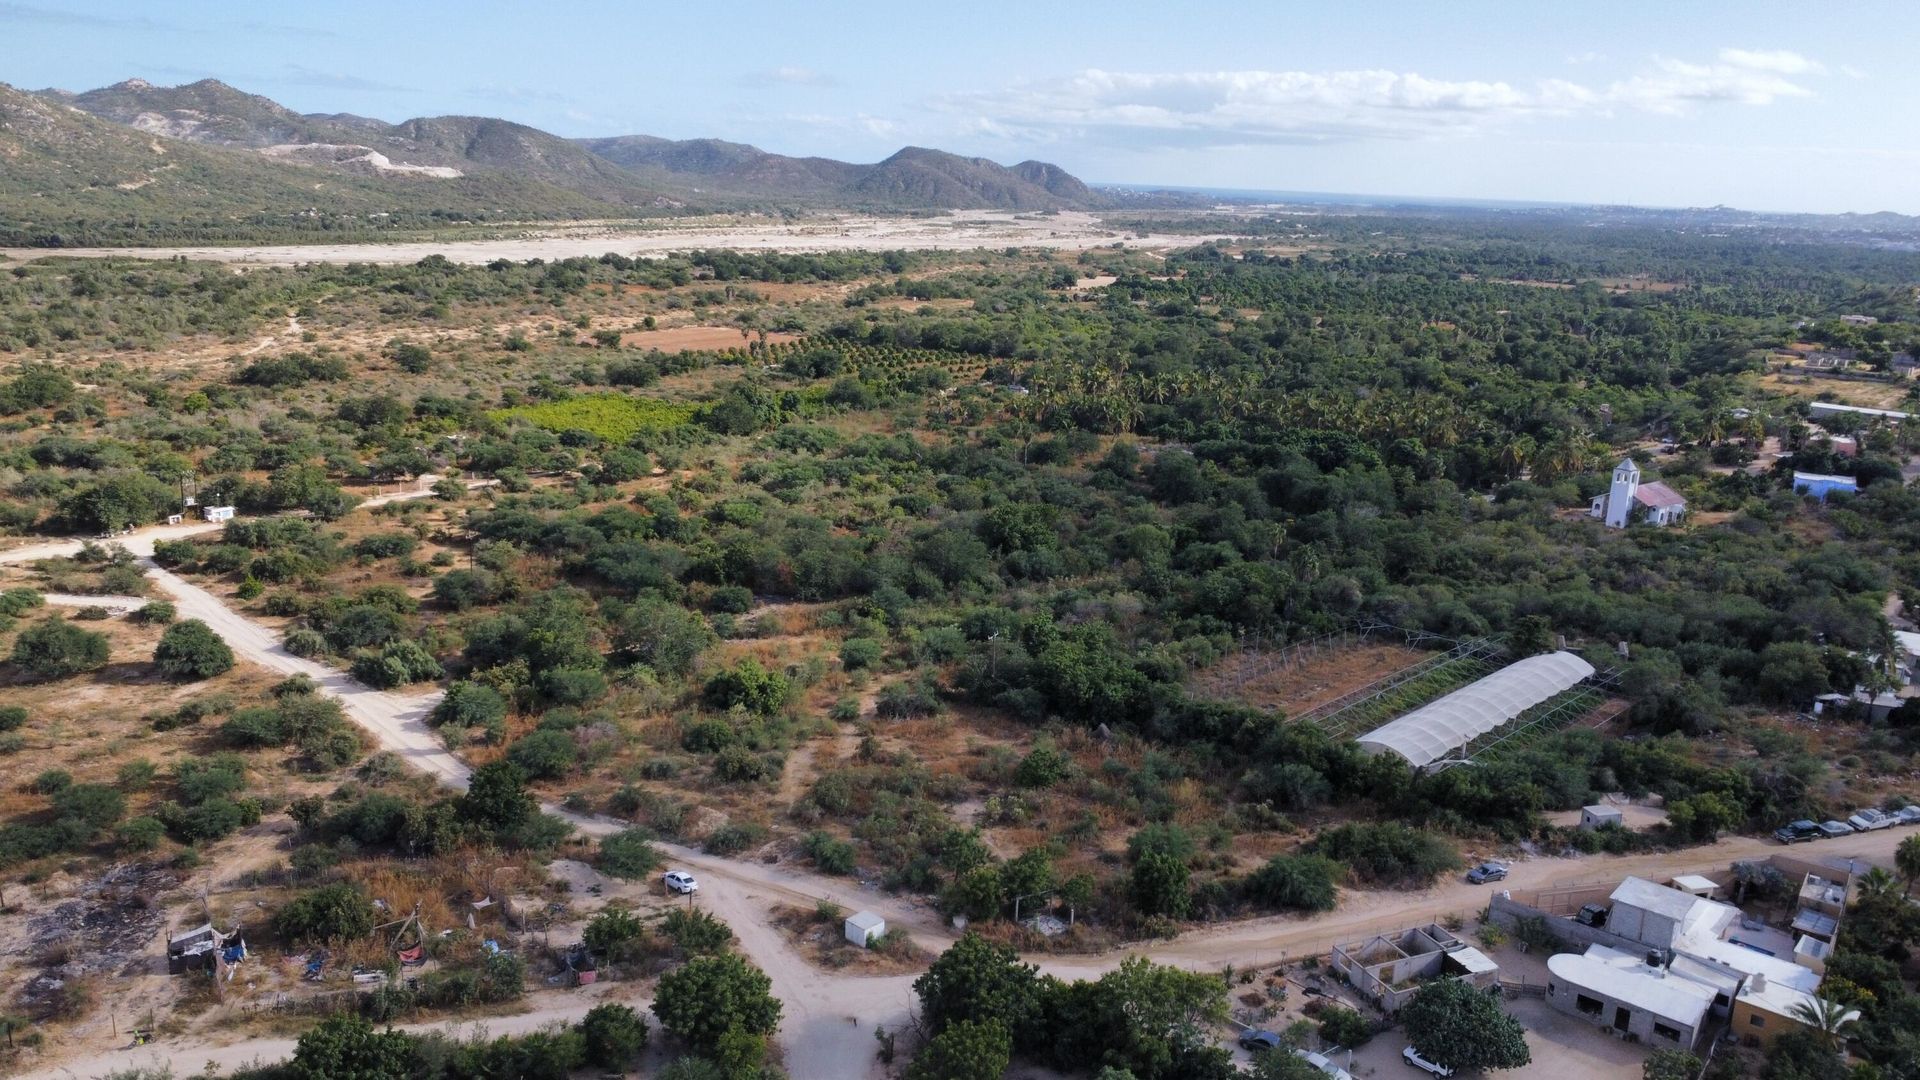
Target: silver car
[681,882]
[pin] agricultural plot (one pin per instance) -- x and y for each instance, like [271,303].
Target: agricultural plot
[1304,677]
[613,418]
[1429,679]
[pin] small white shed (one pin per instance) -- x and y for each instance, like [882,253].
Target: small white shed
[217,513]
[1593,817]
[863,928]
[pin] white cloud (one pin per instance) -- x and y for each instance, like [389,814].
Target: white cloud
[1229,108]
[1781,61]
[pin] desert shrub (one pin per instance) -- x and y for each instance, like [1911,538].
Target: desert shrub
[544,755]
[858,654]
[1044,767]
[708,735]
[1295,883]
[155,613]
[614,1036]
[338,912]
[1387,853]
[695,931]
[628,854]
[55,649]
[397,664]
[309,644]
[749,686]
[12,717]
[190,651]
[470,704]
[735,837]
[831,854]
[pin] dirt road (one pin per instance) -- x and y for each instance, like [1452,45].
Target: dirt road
[957,231]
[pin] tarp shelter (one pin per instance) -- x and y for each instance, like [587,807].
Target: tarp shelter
[864,928]
[193,949]
[1438,728]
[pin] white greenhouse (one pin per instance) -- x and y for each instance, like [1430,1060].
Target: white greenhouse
[1438,728]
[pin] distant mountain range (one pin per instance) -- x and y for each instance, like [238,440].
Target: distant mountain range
[175,144]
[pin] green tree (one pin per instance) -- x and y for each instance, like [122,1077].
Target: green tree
[348,1048]
[55,649]
[980,981]
[190,651]
[1043,767]
[628,854]
[336,912]
[497,797]
[1295,883]
[614,1035]
[1824,1018]
[661,635]
[713,995]
[1159,886]
[696,931]
[1463,1028]
[616,934]
[749,686]
[966,1050]
[1907,858]
[1670,1064]
[1341,1026]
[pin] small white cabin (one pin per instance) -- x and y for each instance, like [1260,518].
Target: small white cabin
[1598,816]
[864,928]
[217,513]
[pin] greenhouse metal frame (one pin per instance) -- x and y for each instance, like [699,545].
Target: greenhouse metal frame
[1440,727]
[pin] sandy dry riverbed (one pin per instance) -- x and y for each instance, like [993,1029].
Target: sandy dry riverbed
[958,231]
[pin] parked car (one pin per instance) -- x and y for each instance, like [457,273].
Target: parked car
[1594,915]
[1793,832]
[1836,828]
[681,882]
[1256,1040]
[1485,872]
[1432,1068]
[1321,1062]
[1868,820]
[1907,815]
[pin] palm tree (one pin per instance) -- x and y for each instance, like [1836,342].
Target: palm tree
[1826,1017]
[1907,858]
[1876,884]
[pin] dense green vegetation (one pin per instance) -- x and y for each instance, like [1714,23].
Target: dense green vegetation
[1038,513]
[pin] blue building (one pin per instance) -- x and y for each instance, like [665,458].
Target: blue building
[1820,485]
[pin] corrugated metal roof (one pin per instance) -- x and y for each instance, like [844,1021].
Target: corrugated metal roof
[1430,732]
[1657,494]
[1669,997]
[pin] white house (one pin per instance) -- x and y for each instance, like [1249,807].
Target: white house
[1630,500]
[217,513]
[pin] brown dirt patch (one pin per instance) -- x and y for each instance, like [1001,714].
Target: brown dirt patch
[697,338]
[1315,678]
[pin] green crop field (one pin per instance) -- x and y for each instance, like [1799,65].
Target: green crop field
[614,418]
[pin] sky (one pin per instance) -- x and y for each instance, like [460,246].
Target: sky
[1760,105]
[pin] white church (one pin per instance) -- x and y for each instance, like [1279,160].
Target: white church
[1632,501]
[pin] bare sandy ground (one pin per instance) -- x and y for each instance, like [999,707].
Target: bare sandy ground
[958,231]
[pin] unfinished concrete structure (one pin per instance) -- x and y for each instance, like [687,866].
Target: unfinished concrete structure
[1388,968]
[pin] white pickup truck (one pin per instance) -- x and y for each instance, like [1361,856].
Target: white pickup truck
[1869,820]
